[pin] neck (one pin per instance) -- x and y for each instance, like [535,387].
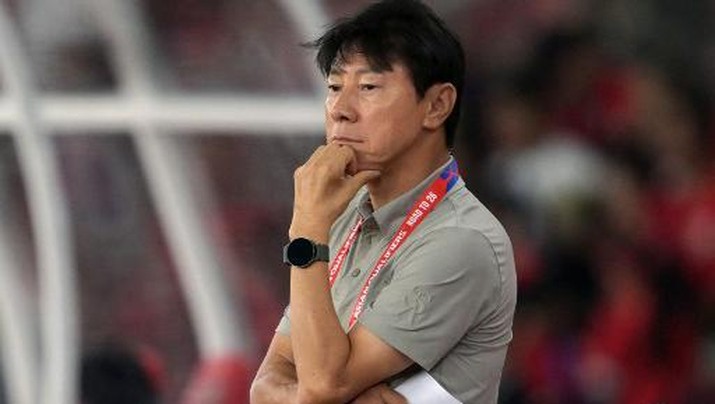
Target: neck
[402,175]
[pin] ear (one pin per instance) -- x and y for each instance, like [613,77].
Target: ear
[440,99]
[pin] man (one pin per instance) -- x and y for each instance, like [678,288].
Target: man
[421,275]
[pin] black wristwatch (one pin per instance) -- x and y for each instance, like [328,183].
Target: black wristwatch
[302,252]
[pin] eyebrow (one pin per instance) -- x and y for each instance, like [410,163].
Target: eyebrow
[337,70]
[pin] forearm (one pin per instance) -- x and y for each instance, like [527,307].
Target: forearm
[320,346]
[277,384]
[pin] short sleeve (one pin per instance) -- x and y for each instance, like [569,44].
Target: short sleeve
[442,285]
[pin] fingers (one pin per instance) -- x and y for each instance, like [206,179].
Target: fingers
[380,394]
[361,178]
[346,154]
[323,186]
[335,161]
[372,395]
[390,396]
[314,156]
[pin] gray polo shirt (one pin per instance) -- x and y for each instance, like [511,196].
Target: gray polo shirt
[446,299]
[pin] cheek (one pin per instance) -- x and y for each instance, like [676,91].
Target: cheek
[390,128]
[389,122]
[381,138]
[387,142]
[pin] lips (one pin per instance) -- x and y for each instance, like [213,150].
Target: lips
[342,139]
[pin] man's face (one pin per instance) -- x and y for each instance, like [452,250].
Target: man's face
[378,114]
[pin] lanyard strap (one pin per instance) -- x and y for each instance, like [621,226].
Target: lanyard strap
[424,205]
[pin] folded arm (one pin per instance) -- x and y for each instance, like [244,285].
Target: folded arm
[331,366]
[360,378]
[276,381]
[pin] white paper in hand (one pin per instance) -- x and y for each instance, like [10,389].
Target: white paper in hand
[421,388]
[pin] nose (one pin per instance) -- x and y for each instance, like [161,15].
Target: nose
[341,106]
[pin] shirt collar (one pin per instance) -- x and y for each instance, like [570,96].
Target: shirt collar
[391,215]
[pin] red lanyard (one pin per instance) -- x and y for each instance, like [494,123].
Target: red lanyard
[426,203]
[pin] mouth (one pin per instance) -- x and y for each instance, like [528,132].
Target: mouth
[344,140]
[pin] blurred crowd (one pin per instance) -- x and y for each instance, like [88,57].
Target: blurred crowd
[603,171]
[587,129]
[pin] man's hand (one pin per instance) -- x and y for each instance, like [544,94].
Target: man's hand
[331,366]
[379,394]
[323,188]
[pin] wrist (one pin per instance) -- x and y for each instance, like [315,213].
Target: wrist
[316,231]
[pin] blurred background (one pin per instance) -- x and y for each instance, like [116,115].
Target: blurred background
[146,158]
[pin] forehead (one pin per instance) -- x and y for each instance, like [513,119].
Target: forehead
[358,63]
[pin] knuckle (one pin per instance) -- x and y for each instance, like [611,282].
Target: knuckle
[322,170]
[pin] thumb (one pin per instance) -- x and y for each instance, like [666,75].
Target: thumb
[363,177]
[389,395]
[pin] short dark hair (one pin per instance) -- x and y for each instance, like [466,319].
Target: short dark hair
[404,31]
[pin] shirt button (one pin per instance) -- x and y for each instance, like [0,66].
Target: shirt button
[355,272]
[370,226]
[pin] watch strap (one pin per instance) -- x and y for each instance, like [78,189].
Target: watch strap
[322,252]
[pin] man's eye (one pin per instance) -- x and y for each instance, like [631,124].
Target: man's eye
[333,88]
[368,87]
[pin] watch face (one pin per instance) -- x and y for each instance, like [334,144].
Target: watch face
[300,252]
